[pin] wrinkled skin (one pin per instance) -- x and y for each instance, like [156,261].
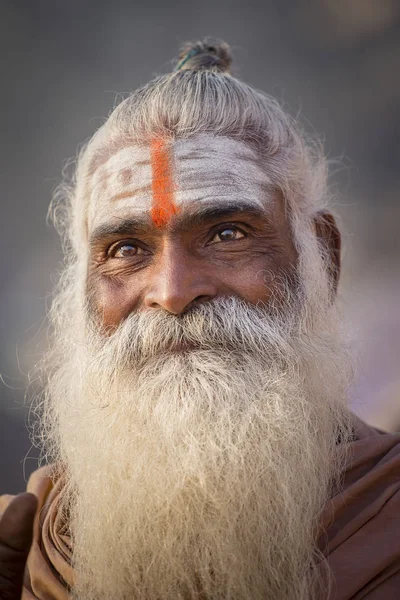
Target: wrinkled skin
[230,236]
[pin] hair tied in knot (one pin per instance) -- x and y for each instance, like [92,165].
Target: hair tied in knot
[189,55]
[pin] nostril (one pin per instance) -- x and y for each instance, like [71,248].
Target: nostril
[200,299]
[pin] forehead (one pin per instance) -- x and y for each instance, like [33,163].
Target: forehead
[204,169]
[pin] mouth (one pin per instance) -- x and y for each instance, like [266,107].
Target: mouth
[183,347]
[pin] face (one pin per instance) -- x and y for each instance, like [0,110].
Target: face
[171,225]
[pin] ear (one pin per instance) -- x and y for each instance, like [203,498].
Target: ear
[329,240]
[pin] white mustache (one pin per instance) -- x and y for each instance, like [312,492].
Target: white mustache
[224,324]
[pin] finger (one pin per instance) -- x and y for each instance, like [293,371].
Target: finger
[16,524]
[16,532]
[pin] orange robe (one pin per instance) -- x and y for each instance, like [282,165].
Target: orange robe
[361,524]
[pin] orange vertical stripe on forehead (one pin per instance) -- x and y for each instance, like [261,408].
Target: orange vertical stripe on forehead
[162,184]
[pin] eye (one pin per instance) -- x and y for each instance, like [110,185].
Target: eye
[229,234]
[125,250]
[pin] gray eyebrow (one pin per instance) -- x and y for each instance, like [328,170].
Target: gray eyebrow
[196,216]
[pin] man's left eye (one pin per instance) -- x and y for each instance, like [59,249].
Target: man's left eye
[230,234]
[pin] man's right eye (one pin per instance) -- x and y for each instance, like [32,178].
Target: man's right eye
[124,250]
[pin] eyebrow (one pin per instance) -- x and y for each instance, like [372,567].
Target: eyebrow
[201,214]
[195,217]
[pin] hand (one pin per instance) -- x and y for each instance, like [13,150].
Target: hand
[16,530]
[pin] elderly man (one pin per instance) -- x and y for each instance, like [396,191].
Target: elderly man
[194,416]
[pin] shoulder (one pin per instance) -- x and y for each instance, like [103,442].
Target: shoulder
[363,519]
[374,459]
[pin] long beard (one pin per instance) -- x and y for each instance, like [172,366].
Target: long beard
[200,451]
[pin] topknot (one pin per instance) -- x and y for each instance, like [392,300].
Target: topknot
[209,54]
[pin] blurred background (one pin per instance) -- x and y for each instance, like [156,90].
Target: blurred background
[335,63]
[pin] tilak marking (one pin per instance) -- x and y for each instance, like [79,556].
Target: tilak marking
[164,206]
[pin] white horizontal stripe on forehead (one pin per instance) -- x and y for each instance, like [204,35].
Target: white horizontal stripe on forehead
[214,169]
[128,170]
[126,158]
[205,169]
[207,159]
[217,143]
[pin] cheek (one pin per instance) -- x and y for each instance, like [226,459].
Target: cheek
[251,285]
[111,301]
[258,282]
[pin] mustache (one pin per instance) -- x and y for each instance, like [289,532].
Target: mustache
[223,324]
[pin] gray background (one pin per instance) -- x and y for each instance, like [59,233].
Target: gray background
[336,62]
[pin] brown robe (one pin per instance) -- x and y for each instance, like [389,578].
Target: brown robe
[362,525]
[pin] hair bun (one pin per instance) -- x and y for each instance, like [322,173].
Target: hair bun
[209,54]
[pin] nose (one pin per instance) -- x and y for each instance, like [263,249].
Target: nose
[178,281]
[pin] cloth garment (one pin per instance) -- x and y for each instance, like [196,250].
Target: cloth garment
[361,523]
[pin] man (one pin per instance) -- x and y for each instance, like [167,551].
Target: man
[195,416]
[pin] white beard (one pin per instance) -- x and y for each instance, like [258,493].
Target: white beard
[199,473]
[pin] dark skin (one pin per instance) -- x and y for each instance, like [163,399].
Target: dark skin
[197,257]
[16,527]
[203,253]
[194,259]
